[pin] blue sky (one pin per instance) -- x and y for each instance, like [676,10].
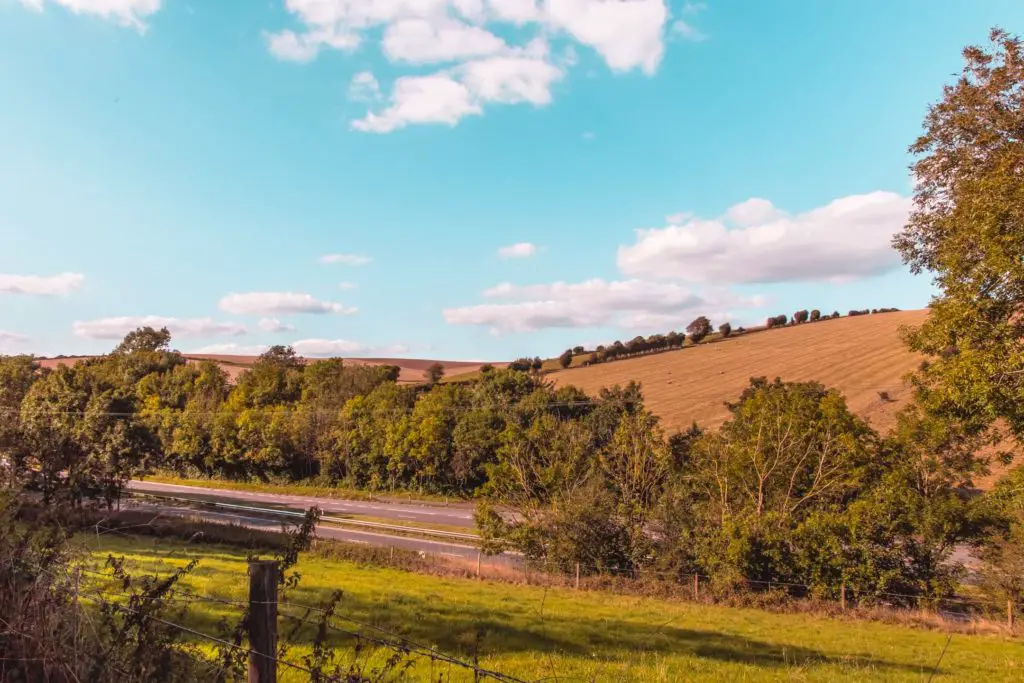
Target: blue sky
[489,178]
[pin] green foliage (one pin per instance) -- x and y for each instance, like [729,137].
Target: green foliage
[565,360]
[698,329]
[967,228]
[434,373]
[145,339]
[725,329]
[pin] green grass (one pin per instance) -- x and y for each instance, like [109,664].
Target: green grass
[535,633]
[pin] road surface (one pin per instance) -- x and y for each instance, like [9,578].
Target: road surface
[456,515]
[421,545]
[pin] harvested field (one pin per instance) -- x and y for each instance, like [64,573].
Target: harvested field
[861,356]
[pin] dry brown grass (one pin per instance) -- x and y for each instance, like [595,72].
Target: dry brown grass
[860,356]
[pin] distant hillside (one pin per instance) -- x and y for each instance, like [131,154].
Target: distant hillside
[411,368]
[861,356]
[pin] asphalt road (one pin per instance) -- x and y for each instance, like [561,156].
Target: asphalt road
[420,545]
[456,515]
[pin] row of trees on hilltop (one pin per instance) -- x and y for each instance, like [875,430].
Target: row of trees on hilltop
[696,331]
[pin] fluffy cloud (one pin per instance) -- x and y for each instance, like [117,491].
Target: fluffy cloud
[319,348]
[755,242]
[280,303]
[421,99]
[8,339]
[364,87]
[124,12]
[40,285]
[232,349]
[627,35]
[274,325]
[422,41]
[448,96]
[593,303]
[345,259]
[310,348]
[518,250]
[116,328]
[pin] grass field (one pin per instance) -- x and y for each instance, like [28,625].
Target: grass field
[861,356]
[564,635]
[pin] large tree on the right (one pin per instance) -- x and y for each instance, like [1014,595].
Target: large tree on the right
[967,229]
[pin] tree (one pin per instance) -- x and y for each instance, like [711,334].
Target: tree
[815,315]
[536,364]
[565,360]
[725,329]
[434,373]
[800,316]
[698,329]
[967,229]
[145,339]
[578,350]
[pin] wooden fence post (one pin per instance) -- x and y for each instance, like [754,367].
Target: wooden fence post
[696,586]
[1009,615]
[263,621]
[479,555]
[842,597]
[577,576]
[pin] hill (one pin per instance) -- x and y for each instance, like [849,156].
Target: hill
[861,356]
[411,368]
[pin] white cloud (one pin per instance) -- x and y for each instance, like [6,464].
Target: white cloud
[628,35]
[518,250]
[9,339]
[295,47]
[448,96]
[592,303]
[346,285]
[678,218]
[421,99]
[342,347]
[40,284]
[232,349]
[279,303]
[274,325]
[364,87]
[846,239]
[516,12]
[422,41]
[693,7]
[124,12]
[687,31]
[754,211]
[115,328]
[345,259]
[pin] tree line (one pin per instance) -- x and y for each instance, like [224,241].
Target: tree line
[792,488]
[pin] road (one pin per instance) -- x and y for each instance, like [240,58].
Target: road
[456,515]
[421,545]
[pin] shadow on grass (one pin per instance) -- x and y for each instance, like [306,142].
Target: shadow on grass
[455,632]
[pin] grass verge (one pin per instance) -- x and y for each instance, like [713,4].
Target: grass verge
[534,632]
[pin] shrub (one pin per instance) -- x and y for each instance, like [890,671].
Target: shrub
[800,316]
[815,315]
[725,329]
[565,360]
